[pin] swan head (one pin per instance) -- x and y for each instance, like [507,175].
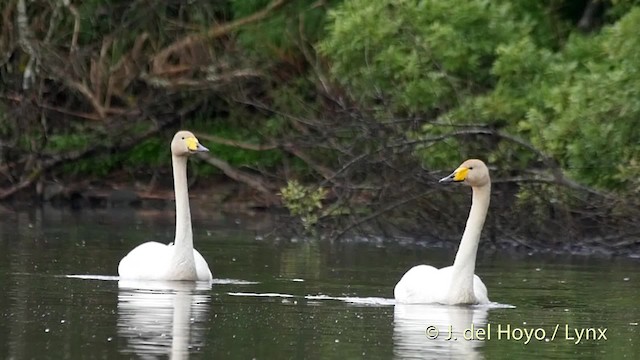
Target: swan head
[185,143]
[472,172]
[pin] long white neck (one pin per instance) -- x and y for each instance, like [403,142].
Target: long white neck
[464,265]
[184,233]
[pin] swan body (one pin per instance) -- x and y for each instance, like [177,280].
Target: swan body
[177,261]
[424,284]
[456,284]
[150,261]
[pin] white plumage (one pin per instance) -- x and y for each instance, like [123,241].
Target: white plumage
[177,261]
[456,284]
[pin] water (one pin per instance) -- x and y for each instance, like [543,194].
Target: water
[278,298]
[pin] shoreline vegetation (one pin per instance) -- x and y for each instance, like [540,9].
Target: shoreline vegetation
[342,114]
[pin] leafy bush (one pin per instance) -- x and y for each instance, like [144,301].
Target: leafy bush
[502,64]
[417,56]
[304,202]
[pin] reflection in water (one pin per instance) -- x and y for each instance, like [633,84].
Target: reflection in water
[163,318]
[43,314]
[410,323]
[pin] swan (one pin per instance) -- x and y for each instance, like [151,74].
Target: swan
[457,284]
[177,261]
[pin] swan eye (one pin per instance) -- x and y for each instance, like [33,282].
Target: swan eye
[183,138]
[470,167]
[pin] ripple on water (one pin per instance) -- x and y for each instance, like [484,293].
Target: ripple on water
[369,301]
[116,278]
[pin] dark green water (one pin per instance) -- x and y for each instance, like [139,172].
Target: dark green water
[284,299]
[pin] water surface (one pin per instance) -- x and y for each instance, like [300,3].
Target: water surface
[283,298]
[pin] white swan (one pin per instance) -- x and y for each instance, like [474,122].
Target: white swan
[457,284]
[177,261]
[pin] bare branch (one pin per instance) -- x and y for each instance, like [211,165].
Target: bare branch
[216,31]
[552,165]
[97,71]
[76,25]
[236,143]
[26,182]
[588,20]
[345,167]
[380,212]
[52,24]
[127,142]
[24,32]
[30,45]
[312,58]
[84,90]
[25,37]
[6,33]
[241,176]
[324,171]
[125,71]
[207,82]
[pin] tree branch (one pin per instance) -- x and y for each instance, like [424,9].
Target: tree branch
[241,176]
[381,211]
[588,20]
[321,169]
[161,57]
[6,33]
[26,182]
[126,144]
[324,171]
[207,82]
[30,46]
[76,25]
[25,37]
[237,144]
[559,177]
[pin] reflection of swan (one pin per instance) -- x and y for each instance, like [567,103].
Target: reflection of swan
[457,284]
[162,318]
[156,261]
[411,323]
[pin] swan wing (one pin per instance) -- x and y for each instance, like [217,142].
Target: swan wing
[202,268]
[424,284]
[145,262]
[419,285]
[480,290]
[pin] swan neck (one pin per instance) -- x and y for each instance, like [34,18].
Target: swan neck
[465,263]
[184,233]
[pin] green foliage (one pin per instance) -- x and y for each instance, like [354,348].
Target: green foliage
[599,106]
[579,104]
[418,55]
[152,152]
[511,64]
[522,67]
[96,166]
[296,25]
[618,8]
[66,142]
[239,126]
[242,157]
[303,201]
[78,141]
[126,20]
